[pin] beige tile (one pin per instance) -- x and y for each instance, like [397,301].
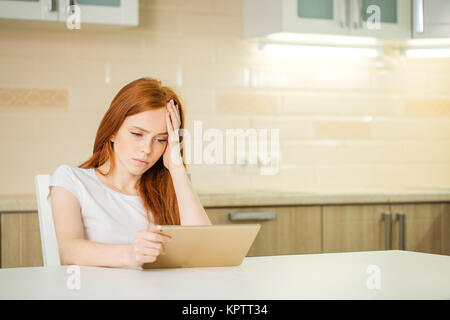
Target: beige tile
[385,128]
[254,103]
[211,76]
[16,125]
[67,125]
[159,22]
[204,6]
[235,7]
[428,107]
[18,72]
[330,103]
[400,175]
[33,97]
[289,178]
[342,129]
[218,178]
[338,176]
[280,77]
[290,128]
[342,79]
[426,152]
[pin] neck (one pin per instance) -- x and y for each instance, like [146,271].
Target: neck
[120,179]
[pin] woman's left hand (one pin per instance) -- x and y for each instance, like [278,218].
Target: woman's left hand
[172,155]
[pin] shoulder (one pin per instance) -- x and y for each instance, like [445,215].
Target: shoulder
[70,172]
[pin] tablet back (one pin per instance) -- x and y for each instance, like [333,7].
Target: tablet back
[205,246]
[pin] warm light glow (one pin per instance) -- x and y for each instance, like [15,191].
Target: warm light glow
[321,39]
[428,53]
[299,51]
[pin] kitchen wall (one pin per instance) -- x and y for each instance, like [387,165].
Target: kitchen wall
[382,123]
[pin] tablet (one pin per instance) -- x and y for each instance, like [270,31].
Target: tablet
[205,246]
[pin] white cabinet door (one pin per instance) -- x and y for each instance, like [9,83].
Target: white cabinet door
[29,10]
[315,16]
[112,12]
[431,18]
[385,19]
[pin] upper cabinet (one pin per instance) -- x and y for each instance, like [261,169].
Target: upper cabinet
[431,18]
[29,9]
[390,19]
[106,12]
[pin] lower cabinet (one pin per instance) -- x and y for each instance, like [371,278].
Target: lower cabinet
[284,230]
[20,240]
[420,227]
[349,228]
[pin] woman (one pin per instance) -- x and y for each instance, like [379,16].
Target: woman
[105,210]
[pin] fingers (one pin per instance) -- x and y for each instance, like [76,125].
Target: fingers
[154,236]
[174,114]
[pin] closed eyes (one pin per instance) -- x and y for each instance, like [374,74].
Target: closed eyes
[140,135]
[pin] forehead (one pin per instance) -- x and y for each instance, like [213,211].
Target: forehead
[151,120]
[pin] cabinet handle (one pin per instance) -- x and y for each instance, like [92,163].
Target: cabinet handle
[418,16]
[386,217]
[50,5]
[342,13]
[400,216]
[246,216]
[356,13]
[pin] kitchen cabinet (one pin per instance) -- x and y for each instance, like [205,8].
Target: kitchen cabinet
[20,240]
[348,228]
[102,12]
[431,18]
[421,227]
[284,230]
[43,10]
[332,17]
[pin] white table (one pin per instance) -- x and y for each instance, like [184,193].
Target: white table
[401,275]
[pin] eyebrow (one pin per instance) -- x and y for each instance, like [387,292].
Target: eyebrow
[147,131]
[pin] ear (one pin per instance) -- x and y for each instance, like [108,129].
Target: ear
[113,137]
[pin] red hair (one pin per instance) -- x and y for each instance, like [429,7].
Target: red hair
[155,187]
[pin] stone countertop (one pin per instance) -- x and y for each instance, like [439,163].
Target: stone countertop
[27,202]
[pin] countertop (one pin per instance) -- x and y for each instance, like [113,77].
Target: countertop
[390,274]
[27,202]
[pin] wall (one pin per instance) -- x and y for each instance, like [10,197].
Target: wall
[383,123]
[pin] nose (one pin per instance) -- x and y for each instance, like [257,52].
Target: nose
[146,147]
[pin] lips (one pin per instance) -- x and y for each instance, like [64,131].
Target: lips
[142,162]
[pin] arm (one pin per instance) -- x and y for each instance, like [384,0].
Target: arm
[191,210]
[74,249]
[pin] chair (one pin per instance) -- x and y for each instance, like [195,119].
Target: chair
[50,250]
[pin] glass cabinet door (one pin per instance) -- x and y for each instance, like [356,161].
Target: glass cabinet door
[113,12]
[29,10]
[380,18]
[315,16]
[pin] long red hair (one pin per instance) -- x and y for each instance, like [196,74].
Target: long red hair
[155,186]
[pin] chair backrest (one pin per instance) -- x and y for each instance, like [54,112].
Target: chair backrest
[50,250]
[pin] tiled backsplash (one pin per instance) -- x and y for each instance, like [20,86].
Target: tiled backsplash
[380,123]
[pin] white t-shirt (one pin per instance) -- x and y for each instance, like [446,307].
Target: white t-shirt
[108,216]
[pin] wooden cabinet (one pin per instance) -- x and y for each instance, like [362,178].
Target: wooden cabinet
[20,240]
[286,230]
[421,227]
[349,228]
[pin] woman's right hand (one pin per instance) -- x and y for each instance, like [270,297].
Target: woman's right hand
[146,247]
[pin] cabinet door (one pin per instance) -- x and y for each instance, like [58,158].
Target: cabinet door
[20,240]
[315,16]
[431,19]
[422,230]
[28,9]
[114,12]
[348,228]
[293,230]
[394,17]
